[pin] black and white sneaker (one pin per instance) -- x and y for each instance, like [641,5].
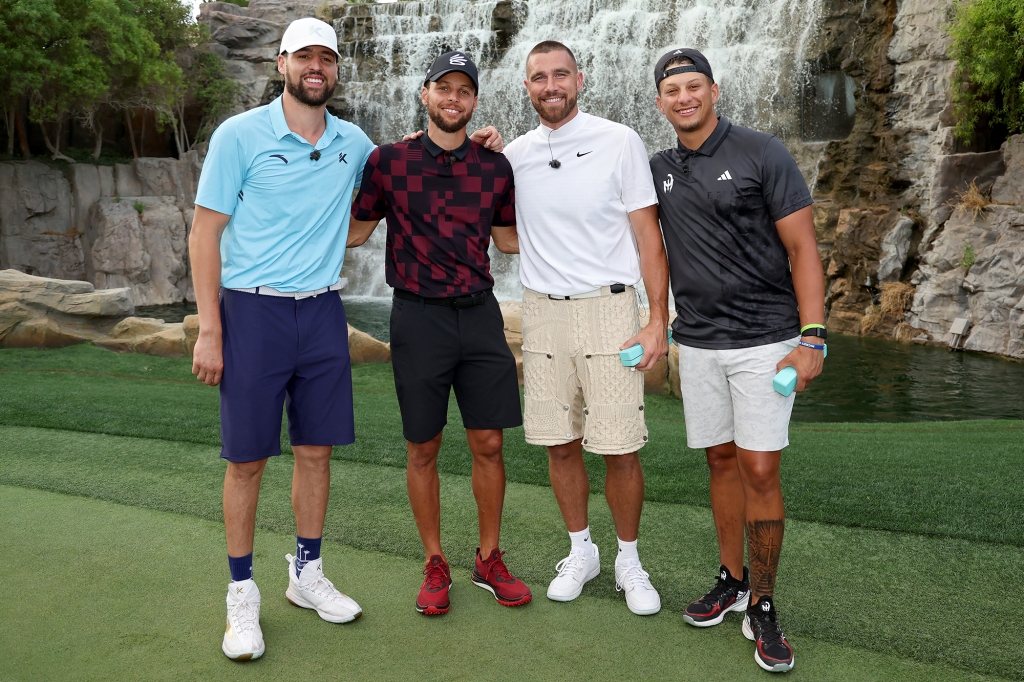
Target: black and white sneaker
[761,626]
[729,594]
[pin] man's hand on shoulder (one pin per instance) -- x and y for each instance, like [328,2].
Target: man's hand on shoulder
[490,138]
[654,339]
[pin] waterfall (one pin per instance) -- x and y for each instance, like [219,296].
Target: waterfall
[756,49]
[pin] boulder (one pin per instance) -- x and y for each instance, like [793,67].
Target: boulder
[237,31]
[47,313]
[1009,188]
[894,250]
[37,234]
[364,348]
[146,335]
[989,292]
[190,325]
[142,249]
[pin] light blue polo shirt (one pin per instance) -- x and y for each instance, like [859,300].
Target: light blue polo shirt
[289,213]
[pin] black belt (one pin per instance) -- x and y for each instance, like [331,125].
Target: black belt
[457,302]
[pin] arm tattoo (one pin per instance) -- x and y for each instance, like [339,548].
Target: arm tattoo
[764,542]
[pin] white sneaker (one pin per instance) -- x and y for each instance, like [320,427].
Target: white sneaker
[573,573]
[312,590]
[243,639]
[641,597]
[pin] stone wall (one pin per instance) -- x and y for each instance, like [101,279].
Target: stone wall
[113,226]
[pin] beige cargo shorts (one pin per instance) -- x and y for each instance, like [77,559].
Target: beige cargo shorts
[574,383]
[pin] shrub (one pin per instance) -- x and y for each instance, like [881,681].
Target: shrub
[988,46]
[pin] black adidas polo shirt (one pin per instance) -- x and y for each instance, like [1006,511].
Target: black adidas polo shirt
[718,207]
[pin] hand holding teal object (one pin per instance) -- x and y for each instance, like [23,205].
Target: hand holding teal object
[785,381]
[631,356]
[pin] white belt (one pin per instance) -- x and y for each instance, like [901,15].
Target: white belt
[596,293]
[271,291]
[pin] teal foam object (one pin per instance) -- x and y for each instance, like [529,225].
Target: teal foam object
[785,381]
[632,355]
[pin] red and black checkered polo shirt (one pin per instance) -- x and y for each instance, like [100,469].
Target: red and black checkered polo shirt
[439,206]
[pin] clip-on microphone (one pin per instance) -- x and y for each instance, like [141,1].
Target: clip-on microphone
[314,155]
[554,163]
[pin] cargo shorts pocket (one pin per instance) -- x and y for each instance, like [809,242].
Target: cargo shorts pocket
[544,416]
[614,416]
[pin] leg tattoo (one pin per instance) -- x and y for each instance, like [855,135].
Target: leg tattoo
[764,543]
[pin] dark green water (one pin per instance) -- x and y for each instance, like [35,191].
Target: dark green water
[865,380]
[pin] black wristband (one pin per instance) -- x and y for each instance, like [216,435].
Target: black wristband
[815,331]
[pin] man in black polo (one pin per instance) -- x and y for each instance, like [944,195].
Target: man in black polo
[749,293]
[444,198]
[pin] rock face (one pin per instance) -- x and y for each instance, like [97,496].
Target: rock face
[41,312]
[88,225]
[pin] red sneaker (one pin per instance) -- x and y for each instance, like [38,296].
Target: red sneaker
[433,597]
[492,575]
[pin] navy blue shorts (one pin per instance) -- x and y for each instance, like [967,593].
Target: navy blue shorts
[283,352]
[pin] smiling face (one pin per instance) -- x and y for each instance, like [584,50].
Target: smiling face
[450,101]
[310,74]
[688,101]
[553,82]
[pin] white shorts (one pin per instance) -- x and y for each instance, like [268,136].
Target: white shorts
[728,396]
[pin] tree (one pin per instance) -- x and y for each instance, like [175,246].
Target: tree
[988,46]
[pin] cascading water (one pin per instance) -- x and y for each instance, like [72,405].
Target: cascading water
[756,48]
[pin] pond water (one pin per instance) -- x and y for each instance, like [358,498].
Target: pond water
[865,380]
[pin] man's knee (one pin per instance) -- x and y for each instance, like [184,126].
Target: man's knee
[424,455]
[486,444]
[761,473]
[721,458]
[623,464]
[567,452]
[244,472]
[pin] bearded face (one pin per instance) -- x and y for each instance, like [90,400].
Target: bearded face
[311,77]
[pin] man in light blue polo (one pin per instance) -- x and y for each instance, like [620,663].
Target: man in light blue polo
[268,241]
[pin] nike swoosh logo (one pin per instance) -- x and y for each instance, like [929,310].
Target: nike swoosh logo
[578,154]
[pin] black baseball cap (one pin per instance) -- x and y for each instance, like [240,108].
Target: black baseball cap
[452,61]
[700,65]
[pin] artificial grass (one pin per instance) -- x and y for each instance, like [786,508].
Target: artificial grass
[935,478]
[887,592]
[148,606]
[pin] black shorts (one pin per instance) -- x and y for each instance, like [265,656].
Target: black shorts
[435,348]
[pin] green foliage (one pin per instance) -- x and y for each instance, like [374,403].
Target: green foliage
[72,58]
[139,207]
[968,257]
[988,46]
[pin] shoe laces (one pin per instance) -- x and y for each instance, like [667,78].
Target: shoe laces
[436,576]
[632,577]
[769,631]
[244,616]
[715,595]
[322,587]
[570,564]
[498,567]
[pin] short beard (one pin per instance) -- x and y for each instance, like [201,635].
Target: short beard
[558,115]
[297,89]
[448,127]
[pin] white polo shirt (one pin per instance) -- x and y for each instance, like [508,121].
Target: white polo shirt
[573,221]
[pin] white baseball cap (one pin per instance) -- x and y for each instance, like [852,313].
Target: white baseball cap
[306,33]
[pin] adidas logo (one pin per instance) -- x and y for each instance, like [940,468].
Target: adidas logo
[725,176]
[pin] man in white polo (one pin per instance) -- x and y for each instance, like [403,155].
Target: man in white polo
[267,245]
[587,217]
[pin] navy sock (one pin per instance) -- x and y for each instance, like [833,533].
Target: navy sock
[241,567]
[306,550]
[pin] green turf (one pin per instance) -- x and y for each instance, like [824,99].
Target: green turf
[134,598]
[888,592]
[934,478]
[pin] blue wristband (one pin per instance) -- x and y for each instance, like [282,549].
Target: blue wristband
[815,346]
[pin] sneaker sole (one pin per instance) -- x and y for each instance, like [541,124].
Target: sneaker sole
[778,667]
[480,582]
[296,600]
[564,598]
[644,612]
[244,657]
[741,605]
[434,610]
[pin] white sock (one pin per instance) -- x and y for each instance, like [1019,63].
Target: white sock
[627,553]
[581,542]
